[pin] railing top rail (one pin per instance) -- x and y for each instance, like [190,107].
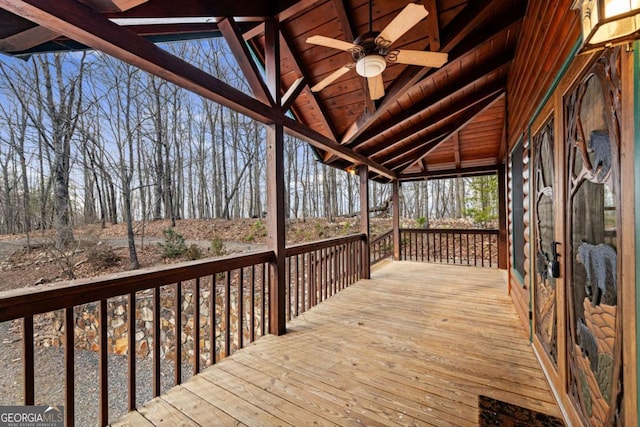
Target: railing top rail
[453,230]
[18,303]
[322,244]
[381,237]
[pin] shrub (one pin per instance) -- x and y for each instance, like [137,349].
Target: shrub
[421,221]
[173,245]
[217,247]
[102,256]
[258,230]
[193,252]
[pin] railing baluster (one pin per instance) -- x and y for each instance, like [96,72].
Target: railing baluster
[131,350]
[157,382]
[227,315]
[213,351]
[252,322]
[178,333]
[196,332]
[482,248]
[102,364]
[28,369]
[240,308]
[297,284]
[69,347]
[264,302]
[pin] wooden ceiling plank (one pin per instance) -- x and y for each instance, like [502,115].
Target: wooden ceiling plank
[473,14]
[113,5]
[247,65]
[456,108]
[27,39]
[480,107]
[449,173]
[467,80]
[402,156]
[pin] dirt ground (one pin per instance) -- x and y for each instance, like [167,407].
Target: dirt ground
[33,261]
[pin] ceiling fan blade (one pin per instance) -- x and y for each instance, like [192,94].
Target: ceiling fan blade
[421,57]
[332,43]
[376,87]
[330,78]
[403,22]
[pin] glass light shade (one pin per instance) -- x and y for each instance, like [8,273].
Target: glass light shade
[608,22]
[371,65]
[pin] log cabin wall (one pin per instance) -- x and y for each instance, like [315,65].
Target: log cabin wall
[545,74]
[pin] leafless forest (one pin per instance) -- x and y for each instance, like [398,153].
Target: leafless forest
[88,139]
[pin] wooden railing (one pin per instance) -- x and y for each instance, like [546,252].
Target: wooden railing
[236,287]
[227,307]
[381,247]
[476,247]
[315,271]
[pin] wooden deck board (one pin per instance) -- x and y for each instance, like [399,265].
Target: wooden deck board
[415,345]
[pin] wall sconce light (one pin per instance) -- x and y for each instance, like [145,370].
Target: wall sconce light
[353,170]
[608,22]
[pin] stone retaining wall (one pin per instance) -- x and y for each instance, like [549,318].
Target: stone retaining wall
[49,327]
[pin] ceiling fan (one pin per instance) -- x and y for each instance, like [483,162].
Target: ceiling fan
[371,51]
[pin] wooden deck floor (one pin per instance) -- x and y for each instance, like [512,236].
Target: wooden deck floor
[415,345]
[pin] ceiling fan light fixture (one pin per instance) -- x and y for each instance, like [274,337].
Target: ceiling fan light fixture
[371,65]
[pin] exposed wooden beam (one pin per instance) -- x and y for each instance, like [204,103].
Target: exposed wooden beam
[322,142]
[460,106]
[247,65]
[285,46]
[296,9]
[449,173]
[465,23]
[241,10]
[292,93]
[461,123]
[112,5]
[80,23]
[433,29]
[37,35]
[27,39]
[497,66]
[456,148]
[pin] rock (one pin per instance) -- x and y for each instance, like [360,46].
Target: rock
[146,314]
[119,310]
[116,322]
[121,346]
[140,335]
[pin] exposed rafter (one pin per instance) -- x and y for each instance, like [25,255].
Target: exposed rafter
[248,66]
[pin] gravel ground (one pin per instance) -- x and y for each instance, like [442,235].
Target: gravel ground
[49,385]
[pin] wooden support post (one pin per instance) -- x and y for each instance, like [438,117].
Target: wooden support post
[276,234]
[276,228]
[363,172]
[396,219]
[502,217]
